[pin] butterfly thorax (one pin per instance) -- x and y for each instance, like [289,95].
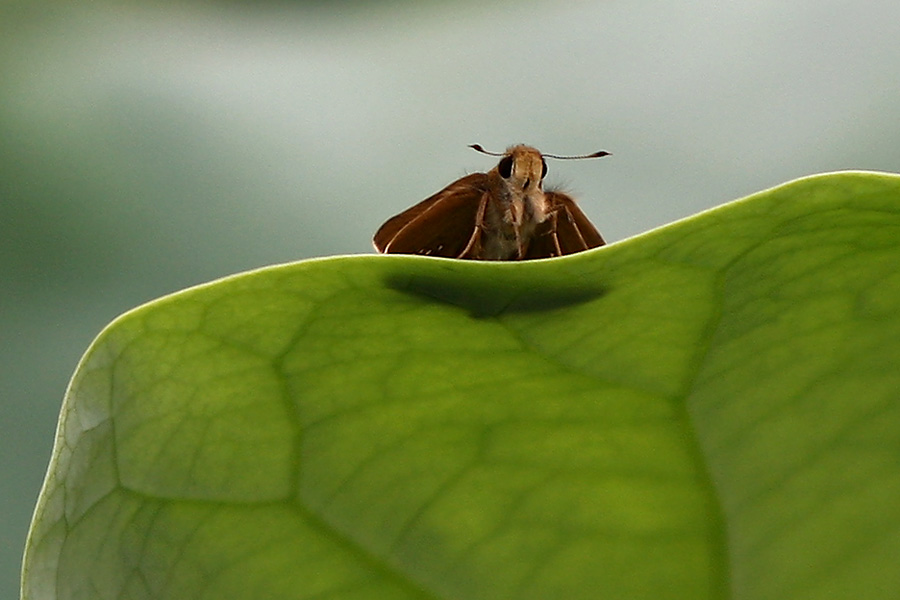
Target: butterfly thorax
[517,204]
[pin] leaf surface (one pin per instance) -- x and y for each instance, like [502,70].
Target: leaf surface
[710,410]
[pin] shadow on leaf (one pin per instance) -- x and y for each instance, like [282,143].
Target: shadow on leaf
[491,298]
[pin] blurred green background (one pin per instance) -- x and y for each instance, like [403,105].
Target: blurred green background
[146,148]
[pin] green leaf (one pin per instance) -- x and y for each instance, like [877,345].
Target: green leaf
[710,410]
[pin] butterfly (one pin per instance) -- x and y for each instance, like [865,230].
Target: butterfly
[504,214]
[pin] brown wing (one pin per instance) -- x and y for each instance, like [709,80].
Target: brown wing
[574,232]
[566,231]
[543,242]
[442,225]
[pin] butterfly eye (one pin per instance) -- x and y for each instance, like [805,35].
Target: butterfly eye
[543,168]
[505,167]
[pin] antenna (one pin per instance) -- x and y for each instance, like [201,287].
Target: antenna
[478,148]
[597,154]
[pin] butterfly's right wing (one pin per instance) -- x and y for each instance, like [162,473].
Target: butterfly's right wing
[566,231]
[445,224]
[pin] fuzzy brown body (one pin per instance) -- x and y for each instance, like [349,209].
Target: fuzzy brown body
[503,214]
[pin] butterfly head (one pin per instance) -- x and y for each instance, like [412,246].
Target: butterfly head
[523,168]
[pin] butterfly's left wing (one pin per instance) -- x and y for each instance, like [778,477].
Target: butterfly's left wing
[445,224]
[566,231]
